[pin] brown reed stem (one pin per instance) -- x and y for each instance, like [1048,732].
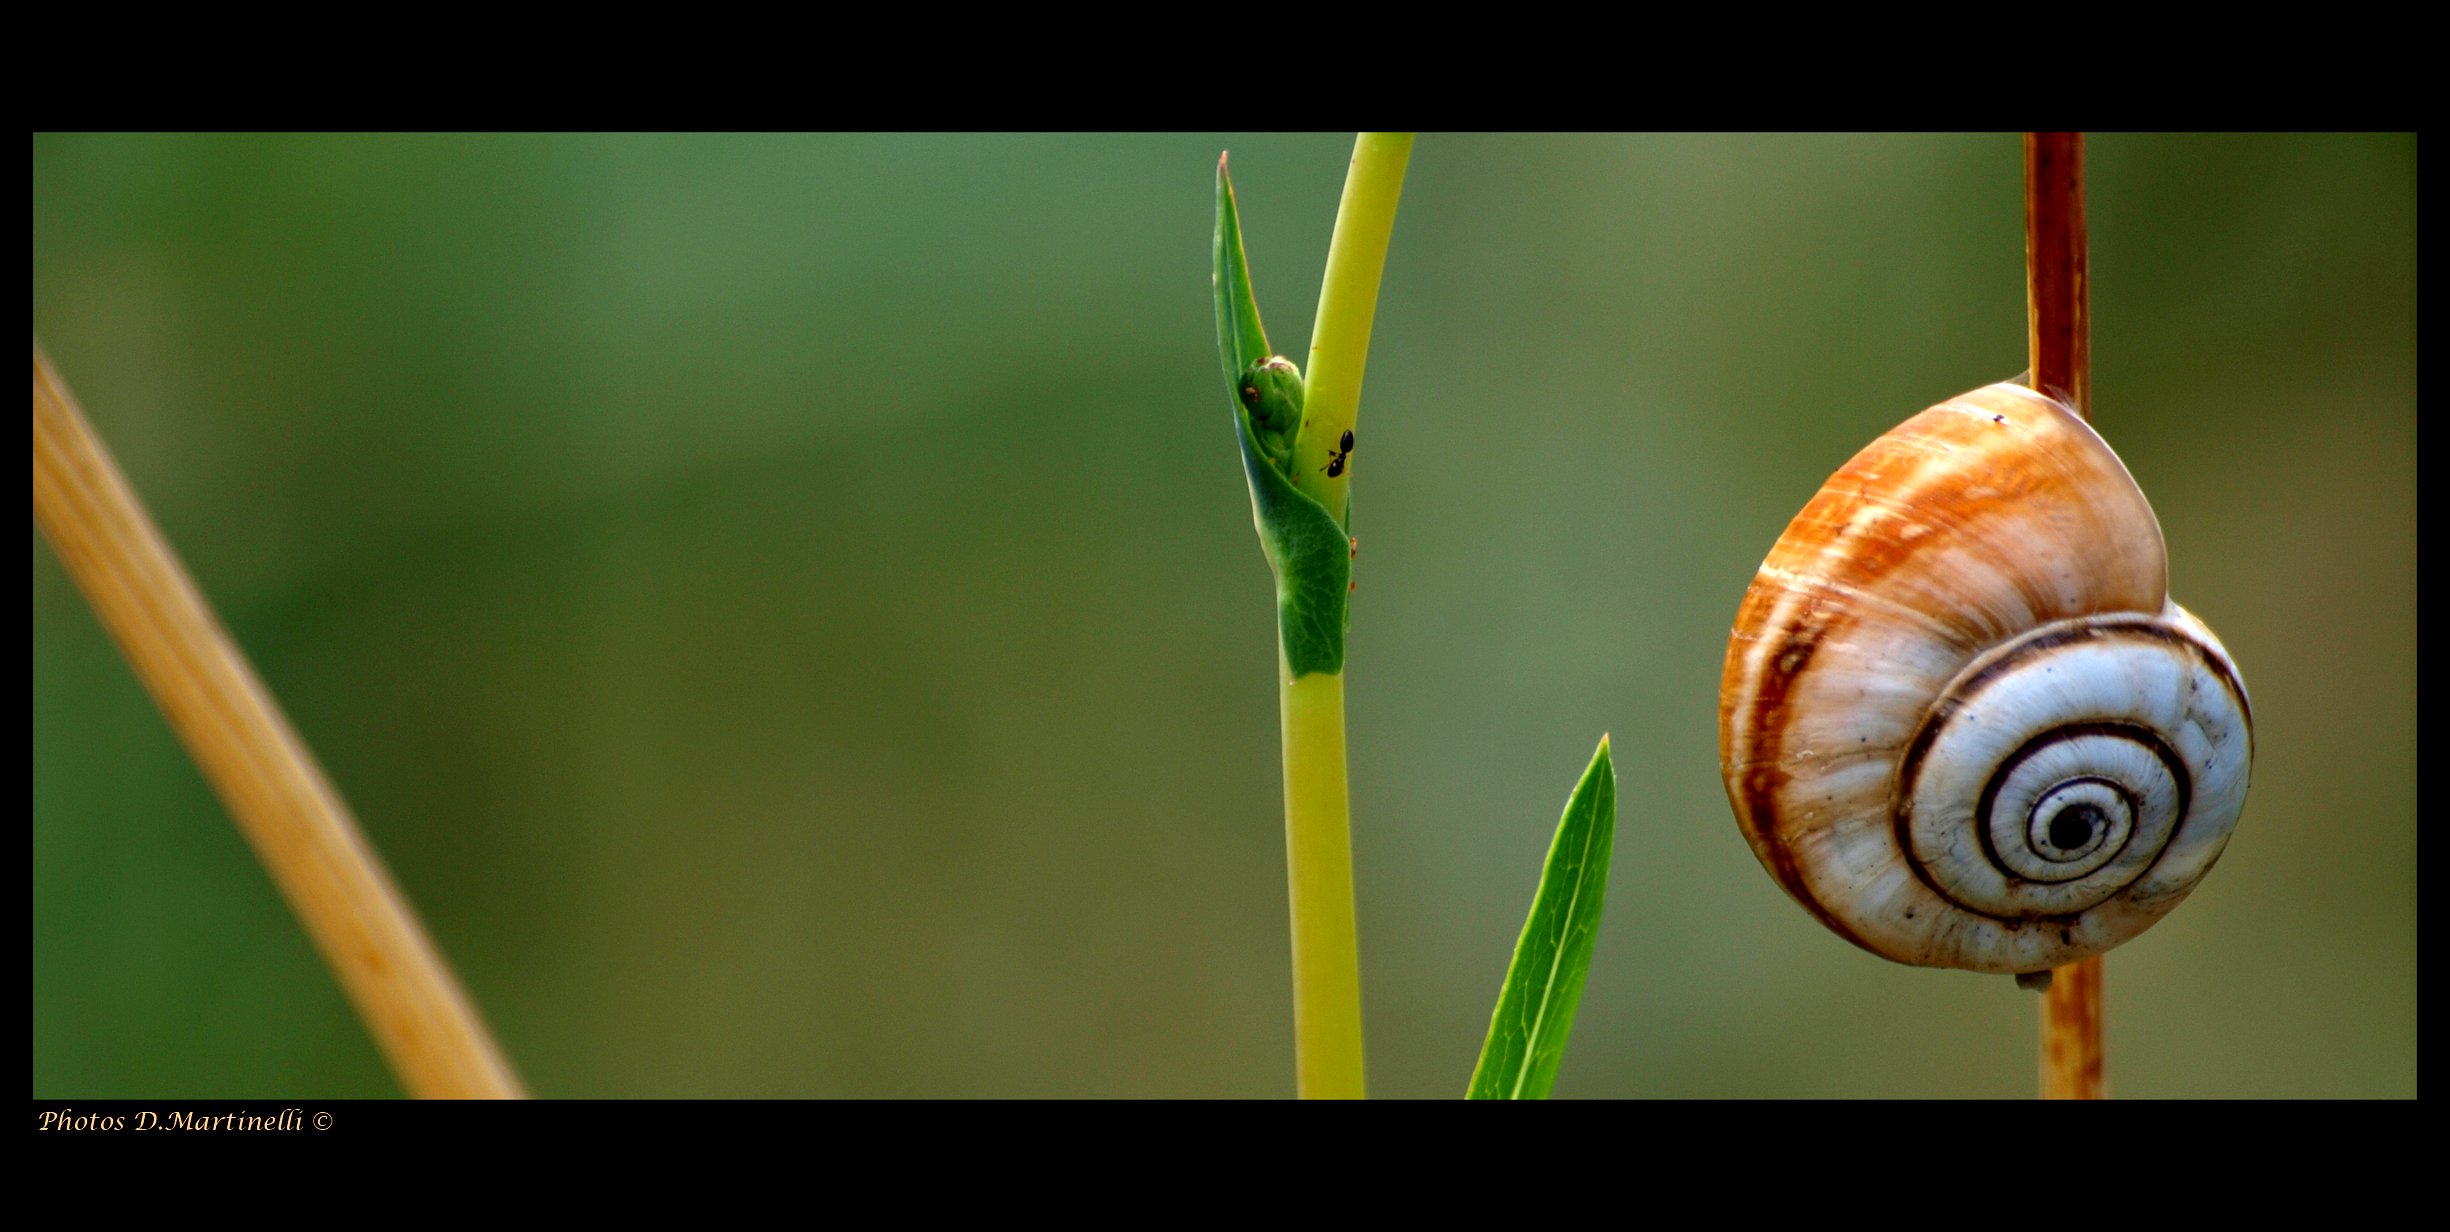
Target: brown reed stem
[2058,332]
[2059,342]
[365,929]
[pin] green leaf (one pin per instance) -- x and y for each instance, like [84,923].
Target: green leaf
[1305,545]
[1241,342]
[1535,1010]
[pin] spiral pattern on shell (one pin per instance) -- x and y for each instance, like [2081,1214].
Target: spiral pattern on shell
[1961,722]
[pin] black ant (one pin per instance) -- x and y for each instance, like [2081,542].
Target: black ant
[1335,457]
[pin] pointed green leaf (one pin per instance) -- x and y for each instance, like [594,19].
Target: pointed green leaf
[1305,545]
[1535,1009]
[1241,342]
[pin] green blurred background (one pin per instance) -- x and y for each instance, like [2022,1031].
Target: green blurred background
[787,608]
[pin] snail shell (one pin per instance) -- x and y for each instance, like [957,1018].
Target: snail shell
[1961,722]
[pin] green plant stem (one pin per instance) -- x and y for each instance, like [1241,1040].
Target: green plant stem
[1319,880]
[1348,309]
[1318,811]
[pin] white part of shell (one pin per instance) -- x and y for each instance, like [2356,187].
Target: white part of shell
[2126,735]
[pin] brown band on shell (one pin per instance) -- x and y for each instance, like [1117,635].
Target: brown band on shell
[1962,467]
[1766,777]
